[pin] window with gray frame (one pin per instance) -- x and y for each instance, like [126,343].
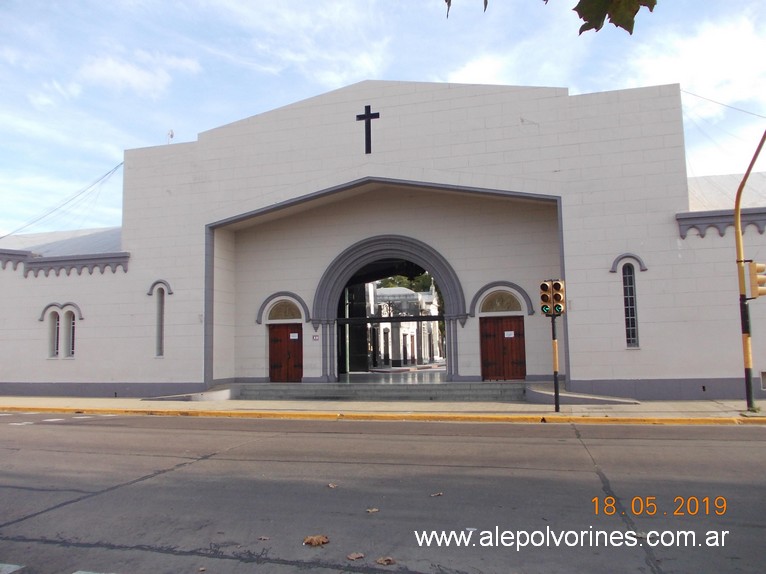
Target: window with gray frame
[629,303]
[69,336]
[54,333]
[159,349]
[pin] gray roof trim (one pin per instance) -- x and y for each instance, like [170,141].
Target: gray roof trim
[720,219]
[98,261]
[13,256]
[379,181]
[492,287]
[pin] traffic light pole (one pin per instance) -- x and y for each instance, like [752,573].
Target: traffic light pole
[555,346]
[744,311]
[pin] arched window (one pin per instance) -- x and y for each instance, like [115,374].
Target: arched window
[69,333]
[161,289]
[629,304]
[62,321]
[500,302]
[159,350]
[284,310]
[54,329]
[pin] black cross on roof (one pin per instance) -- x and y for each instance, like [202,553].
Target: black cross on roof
[367,116]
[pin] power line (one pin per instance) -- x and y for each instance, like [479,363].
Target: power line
[67,201]
[724,105]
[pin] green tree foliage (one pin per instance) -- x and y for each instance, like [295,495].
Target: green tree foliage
[621,13]
[420,283]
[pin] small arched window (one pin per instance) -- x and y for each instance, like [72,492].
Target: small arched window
[500,302]
[54,334]
[284,310]
[159,289]
[70,322]
[159,350]
[629,304]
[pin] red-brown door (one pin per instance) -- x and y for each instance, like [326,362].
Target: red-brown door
[503,356]
[286,353]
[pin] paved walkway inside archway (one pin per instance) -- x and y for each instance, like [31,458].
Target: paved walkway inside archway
[399,376]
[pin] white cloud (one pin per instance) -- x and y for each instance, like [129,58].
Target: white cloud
[721,60]
[338,44]
[149,75]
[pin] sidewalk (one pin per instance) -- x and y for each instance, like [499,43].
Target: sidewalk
[710,412]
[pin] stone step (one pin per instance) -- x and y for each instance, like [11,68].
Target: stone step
[467,392]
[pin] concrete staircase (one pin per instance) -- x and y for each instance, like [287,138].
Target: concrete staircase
[465,392]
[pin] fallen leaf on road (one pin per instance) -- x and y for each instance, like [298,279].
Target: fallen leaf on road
[332,485]
[355,556]
[316,540]
[386,561]
[264,538]
[371,510]
[437,494]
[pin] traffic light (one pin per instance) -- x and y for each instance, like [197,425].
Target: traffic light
[546,297]
[757,279]
[560,297]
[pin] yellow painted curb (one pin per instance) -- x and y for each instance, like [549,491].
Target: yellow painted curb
[549,418]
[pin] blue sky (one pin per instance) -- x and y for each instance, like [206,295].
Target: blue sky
[84,80]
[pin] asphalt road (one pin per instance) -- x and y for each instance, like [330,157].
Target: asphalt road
[144,494]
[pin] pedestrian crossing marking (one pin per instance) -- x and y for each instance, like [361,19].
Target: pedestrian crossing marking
[52,420]
[21,424]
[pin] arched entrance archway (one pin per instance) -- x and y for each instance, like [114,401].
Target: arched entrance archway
[365,252]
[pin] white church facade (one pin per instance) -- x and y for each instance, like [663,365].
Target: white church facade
[238,250]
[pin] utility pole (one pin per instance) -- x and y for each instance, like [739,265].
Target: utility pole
[755,280]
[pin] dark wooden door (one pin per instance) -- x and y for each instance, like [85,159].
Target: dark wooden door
[286,353]
[503,356]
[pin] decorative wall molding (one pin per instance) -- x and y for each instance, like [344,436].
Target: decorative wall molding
[720,219]
[283,295]
[61,306]
[159,282]
[501,285]
[14,257]
[67,264]
[641,265]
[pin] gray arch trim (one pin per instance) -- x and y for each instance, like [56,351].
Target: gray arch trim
[343,267]
[282,295]
[165,284]
[497,284]
[373,249]
[641,265]
[61,306]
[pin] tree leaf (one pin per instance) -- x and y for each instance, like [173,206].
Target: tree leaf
[437,494]
[332,485]
[372,510]
[316,540]
[621,13]
[385,561]
[593,12]
[355,556]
